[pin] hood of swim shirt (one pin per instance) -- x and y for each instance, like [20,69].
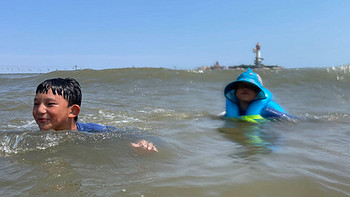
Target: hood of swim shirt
[250,77]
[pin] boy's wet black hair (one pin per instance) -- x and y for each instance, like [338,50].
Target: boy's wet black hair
[69,88]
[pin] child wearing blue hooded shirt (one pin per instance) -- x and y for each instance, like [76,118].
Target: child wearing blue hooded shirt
[247,99]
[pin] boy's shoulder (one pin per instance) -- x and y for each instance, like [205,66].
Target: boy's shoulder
[92,127]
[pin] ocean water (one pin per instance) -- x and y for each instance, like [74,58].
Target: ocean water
[200,153]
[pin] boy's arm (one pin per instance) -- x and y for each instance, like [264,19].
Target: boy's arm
[141,146]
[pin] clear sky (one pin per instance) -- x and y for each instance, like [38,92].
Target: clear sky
[182,34]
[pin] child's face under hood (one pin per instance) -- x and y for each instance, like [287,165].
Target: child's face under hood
[246,92]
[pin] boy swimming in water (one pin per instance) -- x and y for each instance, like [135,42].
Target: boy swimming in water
[247,99]
[57,106]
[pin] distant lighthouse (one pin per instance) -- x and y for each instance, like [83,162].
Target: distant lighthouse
[258,58]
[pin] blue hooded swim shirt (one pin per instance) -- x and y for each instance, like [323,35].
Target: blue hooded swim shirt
[261,105]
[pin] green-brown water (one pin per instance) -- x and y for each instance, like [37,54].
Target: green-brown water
[200,154]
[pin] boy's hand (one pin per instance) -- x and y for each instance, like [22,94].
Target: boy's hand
[144,146]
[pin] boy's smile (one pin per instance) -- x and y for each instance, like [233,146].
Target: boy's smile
[52,112]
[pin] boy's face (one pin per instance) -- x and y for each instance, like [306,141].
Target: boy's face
[52,112]
[245,92]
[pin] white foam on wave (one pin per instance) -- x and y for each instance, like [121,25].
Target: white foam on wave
[327,117]
[118,118]
[26,124]
[14,143]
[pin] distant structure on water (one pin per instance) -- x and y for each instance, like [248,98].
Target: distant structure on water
[258,58]
[257,63]
[216,66]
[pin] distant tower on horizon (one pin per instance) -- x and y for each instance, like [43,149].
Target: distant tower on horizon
[258,59]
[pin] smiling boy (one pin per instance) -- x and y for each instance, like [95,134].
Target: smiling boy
[57,106]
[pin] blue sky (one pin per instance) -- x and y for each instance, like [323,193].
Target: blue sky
[184,34]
